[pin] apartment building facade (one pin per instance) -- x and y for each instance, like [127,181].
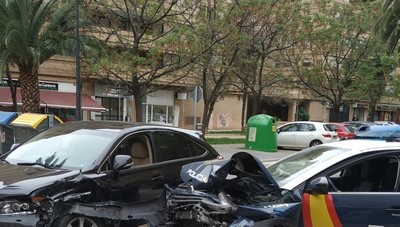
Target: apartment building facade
[172,107]
[176,107]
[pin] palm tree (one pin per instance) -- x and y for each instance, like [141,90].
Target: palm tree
[387,27]
[31,32]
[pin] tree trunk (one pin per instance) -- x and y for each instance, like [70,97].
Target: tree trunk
[29,90]
[204,120]
[136,90]
[337,114]
[371,112]
[13,88]
[138,108]
[244,118]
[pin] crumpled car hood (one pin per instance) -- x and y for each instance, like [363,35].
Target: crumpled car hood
[206,174]
[22,180]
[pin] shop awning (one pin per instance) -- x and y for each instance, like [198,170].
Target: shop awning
[54,99]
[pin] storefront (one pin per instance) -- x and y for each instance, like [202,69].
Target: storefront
[115,100]
[387,112]
[55,98]
[158,107]
[360,112]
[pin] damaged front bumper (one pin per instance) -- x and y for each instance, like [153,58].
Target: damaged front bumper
[45,213]
[20,219]
[150,211]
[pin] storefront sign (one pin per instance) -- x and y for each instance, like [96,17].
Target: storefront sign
[109,91]
[5,84]
[386,106]
[48,86]
[42,85]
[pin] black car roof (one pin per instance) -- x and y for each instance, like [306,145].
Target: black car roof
[114,126]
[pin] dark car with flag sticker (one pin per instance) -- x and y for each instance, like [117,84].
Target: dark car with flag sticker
[345,183]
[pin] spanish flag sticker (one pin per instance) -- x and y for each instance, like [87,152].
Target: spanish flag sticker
[319,210]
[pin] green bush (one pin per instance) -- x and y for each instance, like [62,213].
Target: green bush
[302,115]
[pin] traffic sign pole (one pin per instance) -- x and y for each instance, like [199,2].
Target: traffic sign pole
[197,93]
[195,108]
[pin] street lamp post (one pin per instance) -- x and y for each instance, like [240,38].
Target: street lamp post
[78,66]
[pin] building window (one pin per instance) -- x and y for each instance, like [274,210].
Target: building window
[114,108]
[65,115]
[158,114]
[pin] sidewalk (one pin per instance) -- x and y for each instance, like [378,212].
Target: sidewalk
[225,135]
[227,150]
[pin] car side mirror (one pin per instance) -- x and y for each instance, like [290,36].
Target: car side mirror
[278,130]
[318,186]
[122,162]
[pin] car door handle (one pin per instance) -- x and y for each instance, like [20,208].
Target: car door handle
[393,211]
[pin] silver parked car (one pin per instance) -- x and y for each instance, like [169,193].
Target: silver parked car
[302,134]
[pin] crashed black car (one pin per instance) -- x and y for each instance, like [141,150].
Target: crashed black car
[90,173]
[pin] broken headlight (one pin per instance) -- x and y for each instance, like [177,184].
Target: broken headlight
[14,206]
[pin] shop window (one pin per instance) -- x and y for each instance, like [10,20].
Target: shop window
[114,108]
[158,114]
[65,115]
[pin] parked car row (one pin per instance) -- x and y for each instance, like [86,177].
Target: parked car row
[303,134]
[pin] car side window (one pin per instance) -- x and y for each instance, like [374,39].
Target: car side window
[373,175]
[171,145]
[349,128]
[137,146]
[304,127]
[289,128]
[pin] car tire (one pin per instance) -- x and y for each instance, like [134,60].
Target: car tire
[315,143]
[78,221]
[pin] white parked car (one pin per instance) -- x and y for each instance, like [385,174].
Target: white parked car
[302,134]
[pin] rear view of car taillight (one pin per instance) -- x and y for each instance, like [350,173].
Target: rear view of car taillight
[327,135]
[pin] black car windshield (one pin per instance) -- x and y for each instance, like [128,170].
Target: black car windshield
[289,168]
[54,149]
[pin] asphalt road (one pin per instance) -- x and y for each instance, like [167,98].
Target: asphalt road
[227,150]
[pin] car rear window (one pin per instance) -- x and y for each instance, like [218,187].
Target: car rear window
[349,128]
[330,127]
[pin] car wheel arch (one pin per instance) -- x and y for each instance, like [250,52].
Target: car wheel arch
[70,219]
[315,142]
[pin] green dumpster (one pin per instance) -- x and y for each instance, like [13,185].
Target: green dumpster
[261,133]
